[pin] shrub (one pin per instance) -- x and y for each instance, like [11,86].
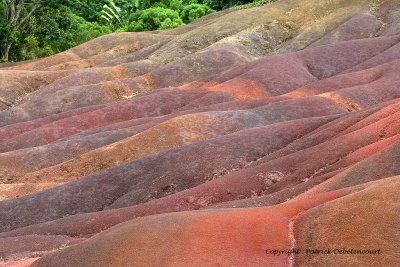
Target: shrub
[194,11]
[81,31]
[155,18]
[222,4]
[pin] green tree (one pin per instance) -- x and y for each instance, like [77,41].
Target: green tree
[15,13]
[222,4]
[195,11]
[112,14]
[52,31]
[90,10]
[155,18]
[82,31]
[27,31]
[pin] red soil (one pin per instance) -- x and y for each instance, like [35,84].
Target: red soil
[271,127]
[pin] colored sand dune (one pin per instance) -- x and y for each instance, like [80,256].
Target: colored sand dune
[231,141]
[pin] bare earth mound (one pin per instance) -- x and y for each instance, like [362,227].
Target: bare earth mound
[257,136]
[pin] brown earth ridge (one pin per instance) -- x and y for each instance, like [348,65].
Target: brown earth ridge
[274,127]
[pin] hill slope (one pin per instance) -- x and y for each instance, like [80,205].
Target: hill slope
[271,127]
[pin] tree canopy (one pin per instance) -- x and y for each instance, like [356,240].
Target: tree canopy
[31,29]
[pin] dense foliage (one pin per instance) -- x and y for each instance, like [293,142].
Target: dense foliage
[194,11]
[221,4]
[155,18]
[57,25]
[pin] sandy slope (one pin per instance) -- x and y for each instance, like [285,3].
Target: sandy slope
[272,127]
